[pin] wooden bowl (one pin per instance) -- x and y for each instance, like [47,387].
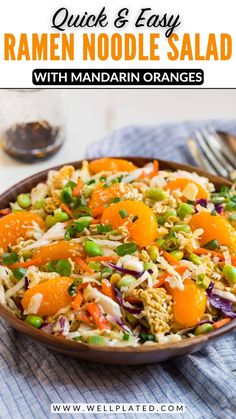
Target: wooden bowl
[112,355]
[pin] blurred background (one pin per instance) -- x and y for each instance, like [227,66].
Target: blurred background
[90,115]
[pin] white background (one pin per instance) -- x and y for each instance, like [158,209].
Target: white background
[196,16]
[92,114]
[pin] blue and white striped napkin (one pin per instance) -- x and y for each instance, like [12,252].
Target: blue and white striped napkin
[32,377]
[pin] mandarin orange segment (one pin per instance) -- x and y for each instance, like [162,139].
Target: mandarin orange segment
[60,250]
[102,196]
[143,231]
[16,225]
[111,165]
[55,295]
[216,227]
[189,304]
[181,183]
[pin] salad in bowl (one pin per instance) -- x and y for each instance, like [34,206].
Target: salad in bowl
[116,255]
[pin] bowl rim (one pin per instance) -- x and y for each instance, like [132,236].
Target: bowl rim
[67,344]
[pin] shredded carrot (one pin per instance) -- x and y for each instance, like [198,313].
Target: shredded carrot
[95,221]
[233,260]
[133,300]
[97,315]
[155,168]
[83,317]
[97,212]
[221,323]
[203,251]
[91,283]
[82,264]
[108,290]
[102,259]
[77,188]
[170,259]
[76,303]
[65,208]
[5,211]
[27,263]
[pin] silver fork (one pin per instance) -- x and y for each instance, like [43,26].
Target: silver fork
[212,153]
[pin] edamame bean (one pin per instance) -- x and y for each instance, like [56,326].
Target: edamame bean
[184,210]
[61,217]
[177,254]
[156,194]
[92,249]
[35,321]
[153,253]
[24,200]
[195,259]
[126,281]
[180,228]
[230,273]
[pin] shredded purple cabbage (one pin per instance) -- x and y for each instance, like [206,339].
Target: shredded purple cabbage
[128,271]
[219,208]
[26,283]
[122,303]
[202,202]
[122,325]
[124,270]
[220,303]
[47,327]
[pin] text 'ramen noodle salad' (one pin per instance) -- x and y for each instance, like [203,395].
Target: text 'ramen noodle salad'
[111,254]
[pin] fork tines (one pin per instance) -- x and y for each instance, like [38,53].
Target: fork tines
[214,154]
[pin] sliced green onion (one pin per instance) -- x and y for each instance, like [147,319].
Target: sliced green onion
[126,249]
[115,200]
[212,245]
[77,227]
[123,213]
[135,218]
[106,271]
[170,213]
[230,206]
[77,338]
[96,340]
[66,195]
[19,273]
[63,267]
[161,220]
[232,217]
[9,258]
[144,337]
[202,281]
[104,228]
[72,289]
[126,336]
[170,243]
[203,328]
[95,266]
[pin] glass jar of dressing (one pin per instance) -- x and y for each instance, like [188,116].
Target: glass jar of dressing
[31,123]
